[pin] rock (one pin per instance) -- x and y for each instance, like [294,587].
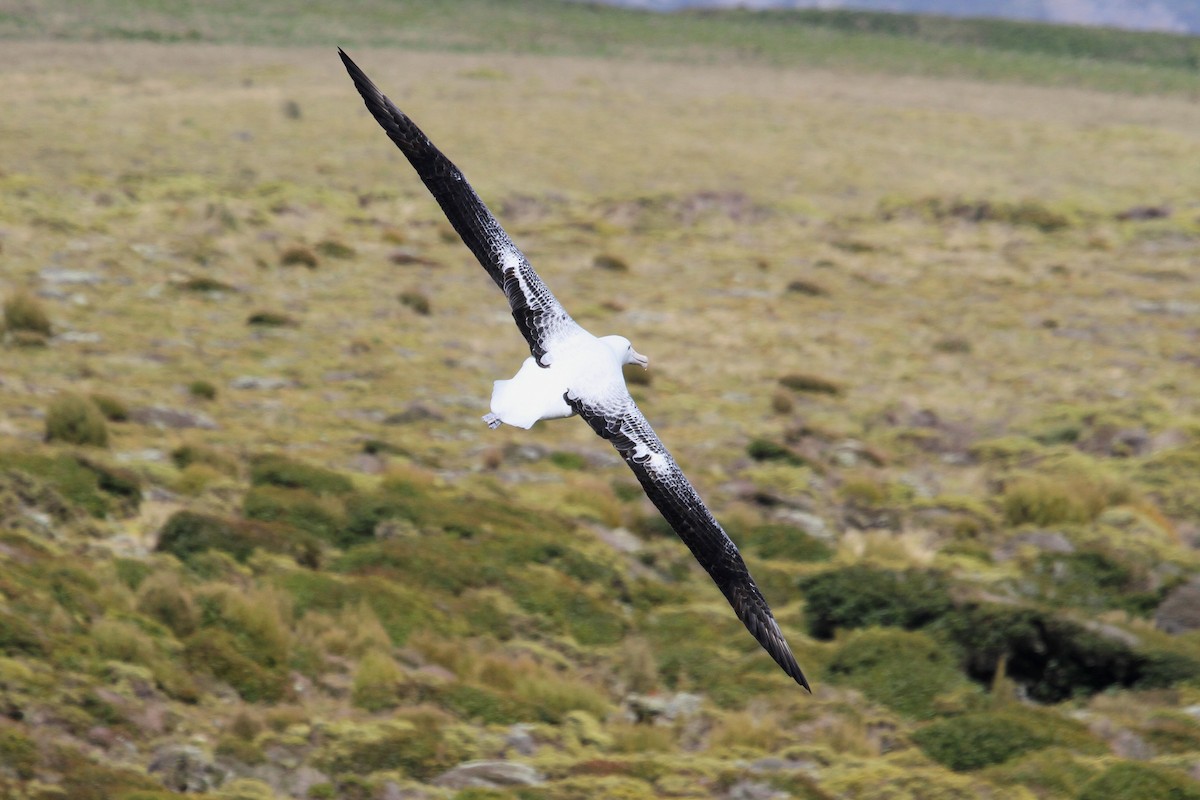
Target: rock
[69,276]
[1180,611]
[754,790]
[1140,213]
[269,383]
[811,524]
[79,337]
[489,775]
[664,709]
[521,739]
[619,539]
[185,768]
[162,417]
[777,764]
[1043,541]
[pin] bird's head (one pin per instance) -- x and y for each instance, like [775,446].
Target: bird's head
[624,351]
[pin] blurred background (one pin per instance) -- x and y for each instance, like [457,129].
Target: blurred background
[920,295]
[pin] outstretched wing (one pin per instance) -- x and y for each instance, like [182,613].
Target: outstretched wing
[538,314]
[621,422]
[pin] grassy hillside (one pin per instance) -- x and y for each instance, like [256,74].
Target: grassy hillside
[927,347]
[993,50]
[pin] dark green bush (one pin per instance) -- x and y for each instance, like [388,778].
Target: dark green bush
[122,484]
[278,470]
[1131,781]
[902,670]
[76,420]
[186,455]
[978,740]
[1055,659]
[202,389]
[270,319]
[203,283]
[766,450]
[861,597]
[187,534]
[298,508]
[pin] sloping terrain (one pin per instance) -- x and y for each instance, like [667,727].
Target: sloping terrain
[927,347]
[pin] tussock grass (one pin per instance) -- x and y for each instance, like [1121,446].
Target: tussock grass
[74,419]
[24,313]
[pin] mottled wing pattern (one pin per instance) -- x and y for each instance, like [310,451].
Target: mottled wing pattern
[621,422]
[540,317]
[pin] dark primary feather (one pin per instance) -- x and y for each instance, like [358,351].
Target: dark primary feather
[536,311]
[679,503]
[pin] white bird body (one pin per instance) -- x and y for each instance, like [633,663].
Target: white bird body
[585,366]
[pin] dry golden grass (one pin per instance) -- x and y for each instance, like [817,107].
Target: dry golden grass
[142,163]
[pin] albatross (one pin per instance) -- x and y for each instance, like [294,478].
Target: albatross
[571,372]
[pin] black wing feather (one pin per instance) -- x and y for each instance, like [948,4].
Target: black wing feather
[677,500]
[537,313]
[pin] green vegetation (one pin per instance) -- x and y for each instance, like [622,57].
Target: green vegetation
[887,43]
[23,312]
[76,420]
[925,347]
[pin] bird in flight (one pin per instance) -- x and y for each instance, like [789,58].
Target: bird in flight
[571,372]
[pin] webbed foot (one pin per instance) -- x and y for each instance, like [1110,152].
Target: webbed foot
[492,421]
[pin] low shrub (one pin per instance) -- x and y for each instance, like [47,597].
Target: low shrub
[978,740]
[421,748]
[1053,658]
[114,409]
[332,248]
[74,419]
[279,470]
[189,534]
[861,596]
[299,508]
[298,256]
[186,455]
[1127,780]
[270,319]
[813,384]
[202,390]
[766,450]
[203,283]
[377,682]
[781,541]
[24,312]
[905,671]
[17,751]
[218,653]
[416,301]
